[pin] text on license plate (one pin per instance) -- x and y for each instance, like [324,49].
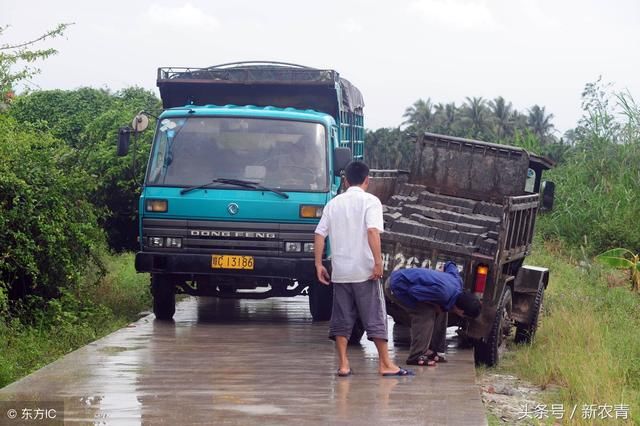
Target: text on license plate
[226,261]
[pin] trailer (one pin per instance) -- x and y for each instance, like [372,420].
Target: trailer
[474,203]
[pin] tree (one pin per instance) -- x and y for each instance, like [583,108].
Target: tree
[419,116]
[87,120]
[48,228]
[502,117]
[540,124]
[16,60]
[475,117]
[446,118]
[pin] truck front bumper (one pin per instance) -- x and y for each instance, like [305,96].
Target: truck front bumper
[200,264]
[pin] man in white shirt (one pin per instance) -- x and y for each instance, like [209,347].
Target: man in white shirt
[353,222]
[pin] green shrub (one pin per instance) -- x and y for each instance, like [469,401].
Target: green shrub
[88,120]
[48,228]
[598,187]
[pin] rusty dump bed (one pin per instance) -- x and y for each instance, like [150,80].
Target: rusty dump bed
[424,229]
[442,222]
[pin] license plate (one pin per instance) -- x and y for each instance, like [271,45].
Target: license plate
[226,261]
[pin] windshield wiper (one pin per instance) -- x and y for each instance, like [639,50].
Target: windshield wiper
[238,182]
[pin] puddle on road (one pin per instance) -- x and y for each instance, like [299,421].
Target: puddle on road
[112,350]
[255,410]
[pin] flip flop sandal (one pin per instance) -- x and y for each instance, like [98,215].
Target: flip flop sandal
[347,374]
[422,361]
[400,373]
[437,358]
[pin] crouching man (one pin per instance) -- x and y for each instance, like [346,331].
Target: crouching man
[427,295]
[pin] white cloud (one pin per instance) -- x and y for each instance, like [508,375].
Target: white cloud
[456,14]
[183,17]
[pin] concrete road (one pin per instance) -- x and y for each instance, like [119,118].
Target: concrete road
[250,362]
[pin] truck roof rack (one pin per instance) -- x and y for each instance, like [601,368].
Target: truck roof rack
[261,83]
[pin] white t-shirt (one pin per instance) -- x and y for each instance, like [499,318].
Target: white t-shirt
[345,220]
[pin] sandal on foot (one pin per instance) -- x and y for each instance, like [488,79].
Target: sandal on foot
[437,358]
[347,374]
[400,373]
[423,361]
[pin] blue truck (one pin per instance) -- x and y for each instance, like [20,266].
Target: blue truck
[244,158]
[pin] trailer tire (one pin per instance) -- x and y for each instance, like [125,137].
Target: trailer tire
[320,301]
[488,352]
[526,332]
[164,297]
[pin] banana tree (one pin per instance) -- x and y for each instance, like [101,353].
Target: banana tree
[622,258]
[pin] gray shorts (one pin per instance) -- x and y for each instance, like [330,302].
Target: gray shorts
[353,300]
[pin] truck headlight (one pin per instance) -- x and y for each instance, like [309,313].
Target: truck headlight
[173,242]
[158,206]
[308,247]
[292,247]
[311,212]
[155,241]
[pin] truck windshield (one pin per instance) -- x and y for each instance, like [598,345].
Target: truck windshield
[289,155]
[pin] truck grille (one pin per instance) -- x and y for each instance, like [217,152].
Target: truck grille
[249,238]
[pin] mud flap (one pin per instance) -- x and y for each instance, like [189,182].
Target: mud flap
[528,282]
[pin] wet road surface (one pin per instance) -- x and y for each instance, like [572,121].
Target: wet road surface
[249,362]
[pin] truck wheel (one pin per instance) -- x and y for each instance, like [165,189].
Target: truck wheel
[164,297]
[320,301]
[489,352]
[526,332]
[356,333]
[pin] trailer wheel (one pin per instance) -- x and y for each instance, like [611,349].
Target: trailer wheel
[489,352]
[526,332]
[320,301]
[164,296]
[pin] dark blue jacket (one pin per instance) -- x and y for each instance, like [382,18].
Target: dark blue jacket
[413,285]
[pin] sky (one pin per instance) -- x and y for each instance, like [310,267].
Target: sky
[528,51]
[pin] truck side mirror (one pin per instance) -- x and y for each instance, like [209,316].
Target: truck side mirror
[548,194]
[124,133]
[341,157]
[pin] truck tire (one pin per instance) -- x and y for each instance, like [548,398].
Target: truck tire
[164,297]
[320,301]
[488,352]
[526,332]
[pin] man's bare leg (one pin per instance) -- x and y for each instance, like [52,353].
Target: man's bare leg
[343,361]
[385,365]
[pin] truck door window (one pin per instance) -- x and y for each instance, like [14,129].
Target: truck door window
[290,155]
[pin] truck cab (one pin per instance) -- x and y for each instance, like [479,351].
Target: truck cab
[244,158]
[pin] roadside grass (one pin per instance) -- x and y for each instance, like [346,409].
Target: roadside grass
[93,310]
[587,348]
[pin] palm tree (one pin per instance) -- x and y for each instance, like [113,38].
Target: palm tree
[475,117]
[502,117]
[540,123]
[419,116]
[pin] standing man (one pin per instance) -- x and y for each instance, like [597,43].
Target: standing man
[353,222]
[427,296]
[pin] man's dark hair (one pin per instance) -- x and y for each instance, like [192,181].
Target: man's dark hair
[469,304]
[356,172]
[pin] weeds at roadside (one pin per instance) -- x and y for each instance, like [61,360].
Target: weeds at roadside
[94,309]
[588,345]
